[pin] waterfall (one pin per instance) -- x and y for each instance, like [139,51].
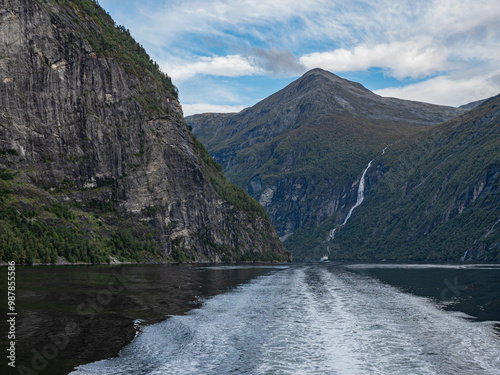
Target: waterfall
[359,200]
[331,235]
[361,193]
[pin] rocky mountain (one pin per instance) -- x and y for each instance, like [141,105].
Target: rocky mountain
[439,197]
[473,104]
[95,157]
[301,151]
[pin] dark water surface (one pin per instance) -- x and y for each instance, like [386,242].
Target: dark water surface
[69,315]
[470,288]
[330,319]
[285,319]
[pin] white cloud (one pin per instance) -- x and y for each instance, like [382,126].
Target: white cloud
[413,58]
[419,39]
[191,109]
[407,39]
[448,17]
[227,66]
[446,90]
[215,16]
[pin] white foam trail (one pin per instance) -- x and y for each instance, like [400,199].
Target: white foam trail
[311,320]
[398,333]
[137,326]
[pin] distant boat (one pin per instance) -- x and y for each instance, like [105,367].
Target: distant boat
[324,258]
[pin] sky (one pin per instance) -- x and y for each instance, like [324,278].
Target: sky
[225,55]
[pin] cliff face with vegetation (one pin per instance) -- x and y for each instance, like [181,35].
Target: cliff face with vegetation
[439,198]
[95,157]
[301,151]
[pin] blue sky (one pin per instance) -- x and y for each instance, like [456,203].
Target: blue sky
[225,55]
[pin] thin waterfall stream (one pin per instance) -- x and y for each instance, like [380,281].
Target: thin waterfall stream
[359,200]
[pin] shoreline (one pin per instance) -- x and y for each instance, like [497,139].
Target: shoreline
[117,263]
[350,261]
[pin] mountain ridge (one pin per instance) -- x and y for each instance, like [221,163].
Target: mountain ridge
[439,199]
[301,151]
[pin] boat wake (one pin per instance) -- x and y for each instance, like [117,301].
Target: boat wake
[311,320]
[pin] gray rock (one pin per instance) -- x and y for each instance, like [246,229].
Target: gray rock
[108,129]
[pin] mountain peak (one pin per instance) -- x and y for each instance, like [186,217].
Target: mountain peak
[322,92]
[326,77]
[316,89]
[301,150]
[321,72]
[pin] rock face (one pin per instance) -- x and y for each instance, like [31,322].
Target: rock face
[87,117]
[301,151]
[439,197]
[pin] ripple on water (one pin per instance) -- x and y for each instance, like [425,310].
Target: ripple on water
[311,320]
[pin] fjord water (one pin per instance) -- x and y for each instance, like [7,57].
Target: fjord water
[100,304]
[330,319]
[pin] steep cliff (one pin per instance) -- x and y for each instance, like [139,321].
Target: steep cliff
[95,154]
[438,198]
[301,151]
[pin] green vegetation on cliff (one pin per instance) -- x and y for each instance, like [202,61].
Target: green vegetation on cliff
[231,193]
[34,227]
[439,200]
[115,41]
